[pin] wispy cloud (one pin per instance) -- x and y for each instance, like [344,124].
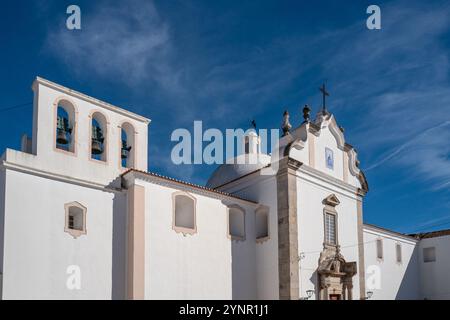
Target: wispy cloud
[391,84]
[128,41]
[395,84]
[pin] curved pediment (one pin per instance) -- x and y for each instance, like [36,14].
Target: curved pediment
[321,145]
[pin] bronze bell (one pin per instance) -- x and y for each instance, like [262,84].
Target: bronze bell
[125,149]
[62,131]
[97,140]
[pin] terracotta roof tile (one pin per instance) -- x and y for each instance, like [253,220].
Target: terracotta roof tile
[153,174]
[432,234]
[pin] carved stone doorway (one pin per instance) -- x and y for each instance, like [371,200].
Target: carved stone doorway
[335,275]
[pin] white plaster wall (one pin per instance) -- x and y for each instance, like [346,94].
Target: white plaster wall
[434,279]
[311,193]
[80,165]
[397,280]
[206,265]
[267,252]
[37,251]
[263,189]
[2,216]
[302,154]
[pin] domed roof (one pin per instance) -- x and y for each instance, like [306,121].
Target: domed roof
[242,165]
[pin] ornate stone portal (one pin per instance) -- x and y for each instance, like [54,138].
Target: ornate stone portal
[335,275]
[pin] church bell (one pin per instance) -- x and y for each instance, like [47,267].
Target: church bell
[125,150]
[97,140]
[63,131]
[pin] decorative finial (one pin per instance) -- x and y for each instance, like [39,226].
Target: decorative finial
[253,123]
[286,126]
[306,113]
[324,95]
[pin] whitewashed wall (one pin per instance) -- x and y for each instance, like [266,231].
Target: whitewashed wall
[37,251]
[397,280]
[263,189]
[206,265]
[2,216]
[434,279]
[311,193]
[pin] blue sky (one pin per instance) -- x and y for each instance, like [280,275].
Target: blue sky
[227,62]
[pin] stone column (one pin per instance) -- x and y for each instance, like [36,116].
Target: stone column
[361,263]
[349,288]
[288,264]
[136,242]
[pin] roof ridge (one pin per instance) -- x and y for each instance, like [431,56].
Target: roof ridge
[157,175]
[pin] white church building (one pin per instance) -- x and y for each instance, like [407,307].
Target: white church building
[82,218]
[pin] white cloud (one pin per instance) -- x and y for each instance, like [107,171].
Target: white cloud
[127,41]
[400,75]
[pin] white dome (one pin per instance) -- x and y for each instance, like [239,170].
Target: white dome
[228,172]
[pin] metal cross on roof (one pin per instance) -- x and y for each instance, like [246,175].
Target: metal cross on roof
[324,95]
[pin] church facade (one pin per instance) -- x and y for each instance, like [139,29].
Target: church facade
[82,218]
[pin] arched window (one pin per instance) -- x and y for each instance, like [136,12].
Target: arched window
[184,213]
[262,224]
[75,220]
[99,137]
[65,123]
[127,151]
[236,223]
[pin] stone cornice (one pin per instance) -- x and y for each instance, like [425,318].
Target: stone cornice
[328,179]
[57,177]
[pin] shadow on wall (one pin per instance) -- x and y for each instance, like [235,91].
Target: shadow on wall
[410,286]
[315,280]
[118,281]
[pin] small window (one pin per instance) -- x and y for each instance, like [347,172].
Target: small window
[75,219]
[429,254]
[184,213]
[330,228]
[246,144]
[236,223]
[398,252]
[379,249]
[262,223]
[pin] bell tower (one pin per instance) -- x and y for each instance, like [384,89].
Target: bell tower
[82,137]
